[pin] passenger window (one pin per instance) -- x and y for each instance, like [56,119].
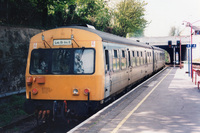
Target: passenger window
[115,60]
[141,59]
[133,59]
[149,57]
[107,60]
[129,58]
[123,60]
[146,57]
[138,59]
[148,61]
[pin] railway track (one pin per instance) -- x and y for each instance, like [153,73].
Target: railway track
[18,125]
[29,124]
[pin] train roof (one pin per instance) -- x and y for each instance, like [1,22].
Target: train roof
[157,48]
[107,37]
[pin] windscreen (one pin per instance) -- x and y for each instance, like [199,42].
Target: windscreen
[62,61]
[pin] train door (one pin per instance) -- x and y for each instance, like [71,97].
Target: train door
[107,73]
[116,73]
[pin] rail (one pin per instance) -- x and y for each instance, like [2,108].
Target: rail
[3,95]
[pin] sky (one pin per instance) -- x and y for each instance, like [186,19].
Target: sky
[164,14]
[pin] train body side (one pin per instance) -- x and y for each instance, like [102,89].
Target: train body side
[125,65]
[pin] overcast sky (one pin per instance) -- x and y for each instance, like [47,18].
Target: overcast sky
[163,14]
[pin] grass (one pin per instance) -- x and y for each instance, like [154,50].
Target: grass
[11,109]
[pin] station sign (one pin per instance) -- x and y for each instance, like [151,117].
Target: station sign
[194,46]
[188,46]
[191,45]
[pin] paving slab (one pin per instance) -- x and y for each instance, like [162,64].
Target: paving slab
[167,103]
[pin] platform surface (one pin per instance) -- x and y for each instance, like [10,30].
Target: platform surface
[167,103]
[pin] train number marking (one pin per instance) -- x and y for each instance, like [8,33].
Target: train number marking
[34,45]
[46,90]
[93,43]
[62,42]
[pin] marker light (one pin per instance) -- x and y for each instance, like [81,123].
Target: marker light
[29,80]
[75,92]
[86,91]
[34,91]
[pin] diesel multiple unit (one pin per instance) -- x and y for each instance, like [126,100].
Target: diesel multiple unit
[75,69]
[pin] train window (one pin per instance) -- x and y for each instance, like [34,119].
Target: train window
[150,61]
[138,59]
[107,60]
[141,59]
[133,59]
[123,54]
[148,58]
[123,60]
[62,61]
[39,62]
[115,60]
[84,61]
[129,58]
[115,54]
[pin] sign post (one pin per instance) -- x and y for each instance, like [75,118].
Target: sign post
[188,47]
[192,46]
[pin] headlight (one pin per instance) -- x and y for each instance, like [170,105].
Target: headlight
[75,92]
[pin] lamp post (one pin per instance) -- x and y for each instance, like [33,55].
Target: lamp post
[188,24]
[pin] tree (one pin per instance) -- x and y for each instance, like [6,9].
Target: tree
[129,18]
[174,31]
[95,13]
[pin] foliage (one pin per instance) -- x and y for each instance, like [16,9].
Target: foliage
[129,18]
[95,13]
[174,31]
[167,57]
[11,109]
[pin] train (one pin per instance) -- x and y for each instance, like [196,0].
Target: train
[76,69]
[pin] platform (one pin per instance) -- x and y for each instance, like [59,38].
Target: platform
[167,103]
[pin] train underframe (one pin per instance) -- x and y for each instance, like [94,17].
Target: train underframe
[47,110]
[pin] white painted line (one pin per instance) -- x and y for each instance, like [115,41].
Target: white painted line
[138,105]
[99,112]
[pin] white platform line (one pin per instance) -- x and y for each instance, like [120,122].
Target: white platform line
[99,112]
